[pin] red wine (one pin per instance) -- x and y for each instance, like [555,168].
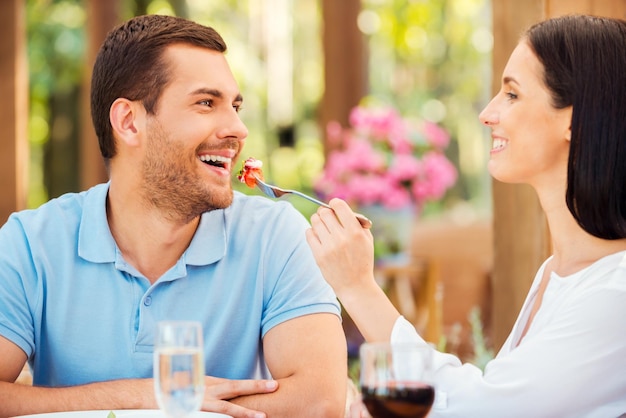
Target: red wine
[399,402]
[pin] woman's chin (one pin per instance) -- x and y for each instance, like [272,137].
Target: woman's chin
[497,172]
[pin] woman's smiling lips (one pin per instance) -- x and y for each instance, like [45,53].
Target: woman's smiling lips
[498,143]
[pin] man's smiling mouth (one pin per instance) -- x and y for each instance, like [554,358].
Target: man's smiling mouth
[216,160]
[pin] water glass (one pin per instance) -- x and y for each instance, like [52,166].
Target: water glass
[179,367]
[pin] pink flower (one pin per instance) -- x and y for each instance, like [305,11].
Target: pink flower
[362,156]
[404,167]
[435,135]
[396,197]
[334,133]
[386,159]
[439,176]
[367,189]
[377,122]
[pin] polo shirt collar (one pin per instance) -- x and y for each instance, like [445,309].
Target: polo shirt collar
[96,243]
[209,242]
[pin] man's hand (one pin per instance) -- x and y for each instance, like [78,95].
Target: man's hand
[219,391]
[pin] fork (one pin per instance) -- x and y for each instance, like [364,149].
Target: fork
[276,192]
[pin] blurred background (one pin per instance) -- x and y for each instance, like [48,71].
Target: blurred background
[426,58]
[302,65]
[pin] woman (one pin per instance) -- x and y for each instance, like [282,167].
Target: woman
[558,123]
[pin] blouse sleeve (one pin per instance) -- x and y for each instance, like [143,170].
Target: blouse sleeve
[569,366]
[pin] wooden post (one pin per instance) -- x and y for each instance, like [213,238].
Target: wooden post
[102,16]
[521,236]
[13,108]
[345,62]
[611,8]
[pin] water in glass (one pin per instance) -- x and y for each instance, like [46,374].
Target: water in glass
[179,368]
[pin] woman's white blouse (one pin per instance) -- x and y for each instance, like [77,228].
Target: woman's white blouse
[570,363]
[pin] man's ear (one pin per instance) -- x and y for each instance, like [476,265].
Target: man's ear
[126,116]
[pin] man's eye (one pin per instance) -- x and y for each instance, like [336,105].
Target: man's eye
[237,107]
[207,102]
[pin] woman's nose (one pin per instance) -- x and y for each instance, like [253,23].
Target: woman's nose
[489,116]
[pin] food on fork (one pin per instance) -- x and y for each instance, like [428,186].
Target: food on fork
[252,175]
[250,170]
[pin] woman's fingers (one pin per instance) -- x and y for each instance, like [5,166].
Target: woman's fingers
[337,233]
[344,213]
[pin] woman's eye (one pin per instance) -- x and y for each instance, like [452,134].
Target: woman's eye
[511,95]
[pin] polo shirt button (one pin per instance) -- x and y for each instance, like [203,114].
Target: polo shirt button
[147,301]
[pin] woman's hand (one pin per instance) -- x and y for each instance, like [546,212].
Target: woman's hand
[219,391]
[344,252]
[343,249]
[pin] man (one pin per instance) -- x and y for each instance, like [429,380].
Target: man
[85,278]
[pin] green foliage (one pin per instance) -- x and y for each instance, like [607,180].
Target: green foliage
[483,353]
[55,31]
[431,58]
[56,44]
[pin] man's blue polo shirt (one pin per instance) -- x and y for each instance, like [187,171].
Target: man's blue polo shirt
[82,314]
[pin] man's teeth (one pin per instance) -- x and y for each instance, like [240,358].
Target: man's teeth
[215,160]
[498,144]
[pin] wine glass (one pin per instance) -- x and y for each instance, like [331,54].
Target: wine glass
[395,379]
[179,367]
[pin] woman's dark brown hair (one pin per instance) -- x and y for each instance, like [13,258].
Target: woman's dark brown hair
[585,67]
[130,65]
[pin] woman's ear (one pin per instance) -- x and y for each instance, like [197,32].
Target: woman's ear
[567,122]
[126,116]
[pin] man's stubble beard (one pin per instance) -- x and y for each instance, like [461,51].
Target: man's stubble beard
[170,184]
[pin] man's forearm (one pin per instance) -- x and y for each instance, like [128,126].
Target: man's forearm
[307,355]
[298,397]
[16,399]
